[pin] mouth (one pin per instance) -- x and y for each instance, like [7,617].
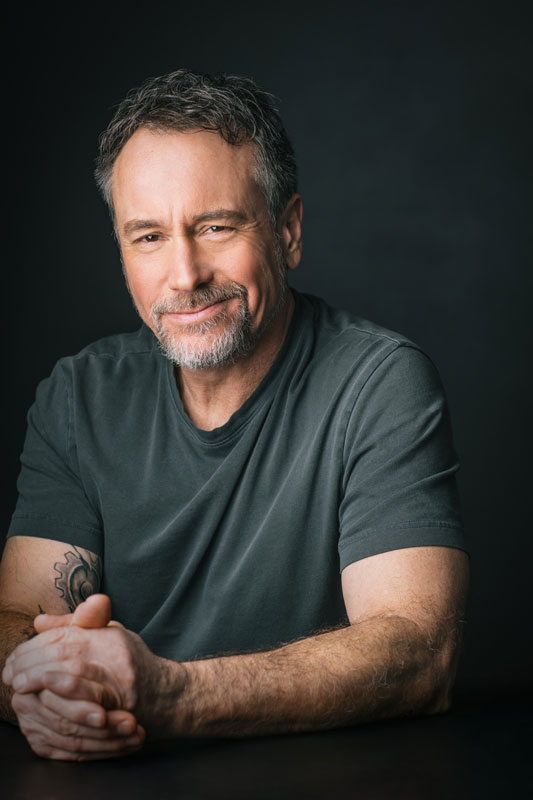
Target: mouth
[196,315]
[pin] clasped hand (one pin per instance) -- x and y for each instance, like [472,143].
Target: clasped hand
[83,685]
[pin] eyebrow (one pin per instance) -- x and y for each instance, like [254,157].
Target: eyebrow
[134,225]
[140,225]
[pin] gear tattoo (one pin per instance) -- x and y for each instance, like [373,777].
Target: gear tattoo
[79,577]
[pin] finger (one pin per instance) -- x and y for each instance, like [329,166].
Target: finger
[85,718]
[122,721]
[37,720]
[95,612]
[68,717]
[45,622]
[50,654]
[90,714]
[40,709]
[73,680]
[26,673]
[76,687]
[56,754]
[70,633]
[50,744]
[82,713]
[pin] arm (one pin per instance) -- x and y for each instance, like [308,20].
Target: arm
[397,656]
[35,576]
[43,575]
[16,628]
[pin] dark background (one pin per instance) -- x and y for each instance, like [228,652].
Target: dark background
[411,123]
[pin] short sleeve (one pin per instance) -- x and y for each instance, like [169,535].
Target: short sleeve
[399,488]
[52,502]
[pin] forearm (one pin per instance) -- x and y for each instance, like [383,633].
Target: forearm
[382,667]
[15,627]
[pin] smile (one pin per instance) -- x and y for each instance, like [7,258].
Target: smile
[197,315]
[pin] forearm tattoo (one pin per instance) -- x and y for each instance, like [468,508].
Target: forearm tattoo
[79,577]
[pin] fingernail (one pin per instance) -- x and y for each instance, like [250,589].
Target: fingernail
[7,674]
[124,727]
[19,682]
[95,720]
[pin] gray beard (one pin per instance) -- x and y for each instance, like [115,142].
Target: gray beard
[235,339]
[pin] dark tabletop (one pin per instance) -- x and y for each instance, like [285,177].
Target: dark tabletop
[480,749]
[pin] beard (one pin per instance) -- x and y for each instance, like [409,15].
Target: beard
[225,337]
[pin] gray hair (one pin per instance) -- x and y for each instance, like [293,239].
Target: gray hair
[233,106]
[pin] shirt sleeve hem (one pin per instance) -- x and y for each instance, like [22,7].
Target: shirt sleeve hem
[56,530]
[438,535]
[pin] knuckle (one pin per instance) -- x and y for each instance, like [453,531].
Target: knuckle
[62,650]
[77,666]
[47,698]
[41,750]
[66,682]
[66,728]
[73,744]
[128,679]
[25,729]
[98,692]
[80,715]
[117,745]
[130,695]
[18,703]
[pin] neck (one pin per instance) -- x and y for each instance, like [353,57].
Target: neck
[211,396]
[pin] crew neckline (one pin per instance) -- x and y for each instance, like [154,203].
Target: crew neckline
[261,394]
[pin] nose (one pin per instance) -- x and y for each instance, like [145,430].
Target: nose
[185,270]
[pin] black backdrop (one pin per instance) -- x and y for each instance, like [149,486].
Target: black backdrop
[411,123]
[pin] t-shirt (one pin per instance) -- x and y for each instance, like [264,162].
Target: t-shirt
[234,539]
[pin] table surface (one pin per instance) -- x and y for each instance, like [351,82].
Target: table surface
[480,749]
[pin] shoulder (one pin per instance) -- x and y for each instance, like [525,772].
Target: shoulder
[110,352]
[356,349]
[339,326]
[113,361]
[117,346]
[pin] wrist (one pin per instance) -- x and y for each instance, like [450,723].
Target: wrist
[160,706]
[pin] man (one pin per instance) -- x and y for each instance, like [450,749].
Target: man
[259,486]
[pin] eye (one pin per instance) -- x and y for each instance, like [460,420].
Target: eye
[150,237]
[219,229]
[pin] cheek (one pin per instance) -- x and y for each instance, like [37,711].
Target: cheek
[140,288]
[255,270]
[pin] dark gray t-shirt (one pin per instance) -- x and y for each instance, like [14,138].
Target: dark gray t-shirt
[234,539]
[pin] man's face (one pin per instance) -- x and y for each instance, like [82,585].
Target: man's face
[202,263]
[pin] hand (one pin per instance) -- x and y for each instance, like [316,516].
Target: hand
[48,722]
[109,666]
[57,727]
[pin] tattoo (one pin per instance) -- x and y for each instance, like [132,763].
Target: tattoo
[79,577]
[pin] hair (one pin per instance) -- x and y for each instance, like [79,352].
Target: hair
[233,106]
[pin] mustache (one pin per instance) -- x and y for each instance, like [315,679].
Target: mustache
[200,297]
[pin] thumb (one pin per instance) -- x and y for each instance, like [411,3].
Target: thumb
[95,612]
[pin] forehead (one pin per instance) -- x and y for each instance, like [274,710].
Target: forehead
[191,169]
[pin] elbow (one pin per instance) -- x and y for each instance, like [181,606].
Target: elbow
[440,699]
[439,681]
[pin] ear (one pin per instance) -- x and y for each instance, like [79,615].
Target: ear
[291,231]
